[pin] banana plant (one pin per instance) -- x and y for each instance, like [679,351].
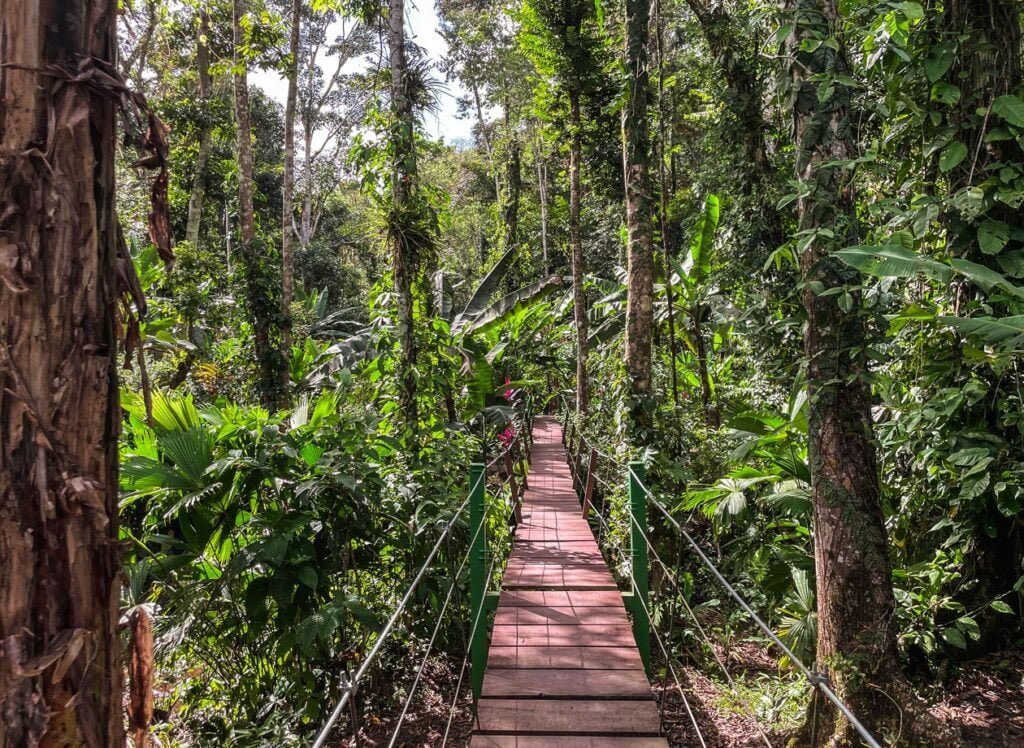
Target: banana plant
[696,298]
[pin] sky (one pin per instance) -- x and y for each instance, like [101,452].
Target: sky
[421,26]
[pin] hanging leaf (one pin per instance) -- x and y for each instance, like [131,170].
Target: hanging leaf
[952,155]
[993,236]
[1011,109]
[892,261]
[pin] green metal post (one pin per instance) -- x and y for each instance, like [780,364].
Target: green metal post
[477,577]
[638,541]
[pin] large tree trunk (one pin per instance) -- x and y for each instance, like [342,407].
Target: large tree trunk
[663,189]
[579,301]
[403,172]
[288,194]
[60,669]
[194,223]
[259,291]
[636,158]
[856,623]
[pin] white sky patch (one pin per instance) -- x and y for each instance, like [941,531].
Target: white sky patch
[422,27]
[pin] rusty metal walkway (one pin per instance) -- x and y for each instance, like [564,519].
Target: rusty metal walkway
[563,667]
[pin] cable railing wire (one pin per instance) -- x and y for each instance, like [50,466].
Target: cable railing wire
[714,654]
[352,685]
[433,637]
[817,680]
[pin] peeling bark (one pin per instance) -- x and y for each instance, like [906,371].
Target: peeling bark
[60,669]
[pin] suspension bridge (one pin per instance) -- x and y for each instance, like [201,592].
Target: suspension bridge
[558,655]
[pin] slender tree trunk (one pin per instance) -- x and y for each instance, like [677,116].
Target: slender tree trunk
[288,196]
[306,235]
[513,188]
[60,668]
[579,301]
[259,291]
[193,226]
[856,621]
[404,170]
[663,189]
[636,160]
[542,193]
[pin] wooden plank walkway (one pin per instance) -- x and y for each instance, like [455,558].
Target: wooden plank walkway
[563,668]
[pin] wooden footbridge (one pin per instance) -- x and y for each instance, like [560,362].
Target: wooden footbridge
[563,664]
[563,667]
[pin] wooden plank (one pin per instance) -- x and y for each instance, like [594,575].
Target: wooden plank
[564,741]
[565,682]
[556,598]
[636,718]
[563,635]
[548,658]
[558,614]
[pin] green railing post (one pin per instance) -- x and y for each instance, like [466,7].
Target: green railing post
[638,543]
[477,577]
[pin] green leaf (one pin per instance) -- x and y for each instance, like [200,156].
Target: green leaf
[952,155]
[939,60]
[945,93]
[985,278]
[954,637]
[1007,332]
[993,236]
[1001,607]
[307,575]
[892,261]
[1011,109]
[703,241]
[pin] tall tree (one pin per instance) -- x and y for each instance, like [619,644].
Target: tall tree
[561,41]
[640,250]
[198,196]
[60,671]
[856,631]
[403,250]
[260,293]
[288,230]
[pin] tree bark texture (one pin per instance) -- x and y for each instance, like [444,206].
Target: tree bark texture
[404,170]
[663,190]
[288,192]
[194,223]
[579,301]
[60,668]
[260,294]
[856,632]
[636,162]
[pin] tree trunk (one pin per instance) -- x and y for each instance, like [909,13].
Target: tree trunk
[306,235]
[579,302]
[636,159]
[259,285]
[856,622]
[288,196]
[404,170]
[60,668]
[663,189]
[542,195]
[193,225]
[513,188]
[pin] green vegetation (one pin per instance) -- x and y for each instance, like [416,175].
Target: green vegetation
[801,304]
